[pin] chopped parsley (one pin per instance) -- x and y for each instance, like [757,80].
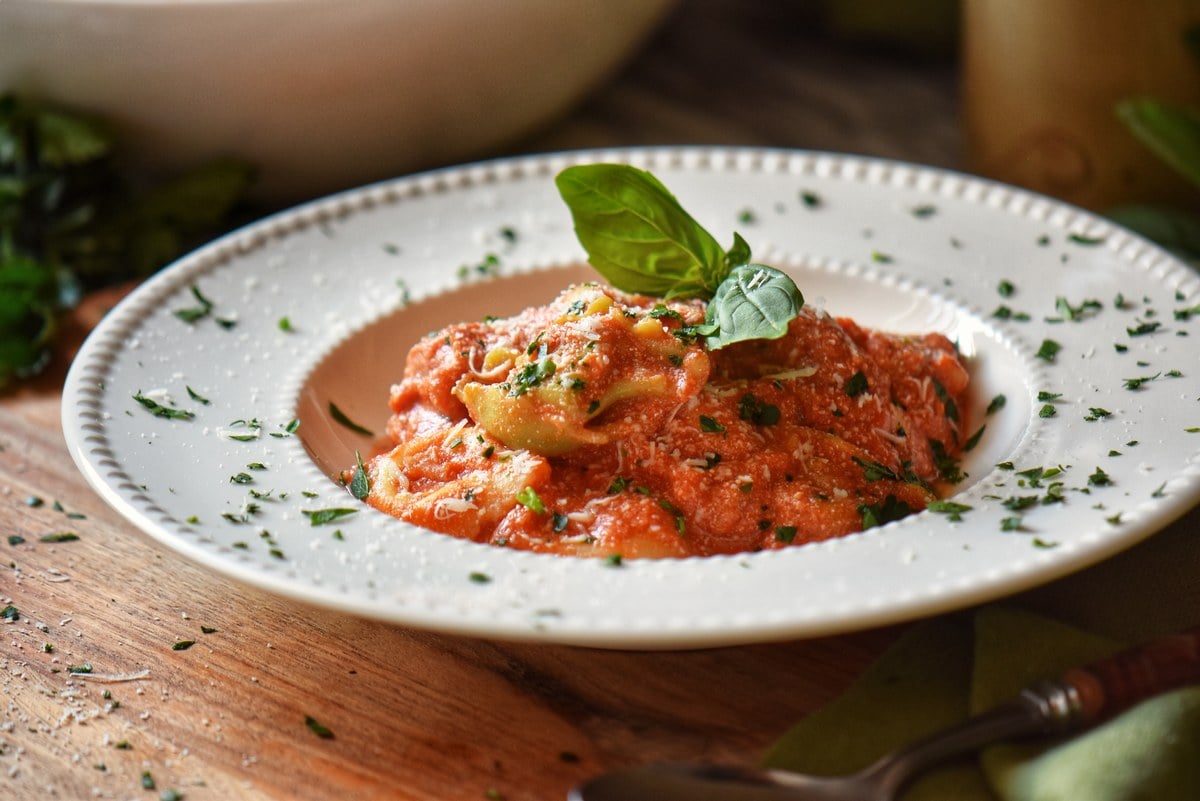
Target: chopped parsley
[1011,523]
[874,471]
[886,511]
[1135,384]
[973,440]
[319,517]
[952,509]
[1003,312]
[947,466]
[1144,328]
[660,312]
[159,410]
[857,385]
[528,498]
[198,312]
[948,404]
[317,728]
[1049,350]
[339,416]
[755,411]
[1076,313]
[996,405]
[59,536]
[531,375]
[710,426]
[197,397]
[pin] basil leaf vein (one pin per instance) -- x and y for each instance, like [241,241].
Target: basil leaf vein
[636,233]
[754,302]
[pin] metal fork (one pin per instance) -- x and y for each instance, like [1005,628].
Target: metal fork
[1078,699]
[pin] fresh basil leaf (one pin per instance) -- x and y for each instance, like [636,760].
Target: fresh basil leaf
[739,252]
[637,235]
[1172,132]
[754,302]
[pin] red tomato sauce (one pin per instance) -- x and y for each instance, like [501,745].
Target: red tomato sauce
[600,425]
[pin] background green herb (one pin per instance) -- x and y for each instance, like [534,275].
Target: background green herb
[71,222]
[1172,132]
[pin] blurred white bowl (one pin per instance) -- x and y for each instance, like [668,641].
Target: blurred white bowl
[318,95]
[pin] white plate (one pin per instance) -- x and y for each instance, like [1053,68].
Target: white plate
[361,275]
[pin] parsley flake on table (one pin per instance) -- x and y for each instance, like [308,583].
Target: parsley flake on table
[317,728]
[59,536]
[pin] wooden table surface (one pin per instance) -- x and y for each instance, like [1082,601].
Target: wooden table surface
[415,714]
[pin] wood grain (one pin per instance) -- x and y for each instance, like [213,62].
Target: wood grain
[417,715]
[414,714]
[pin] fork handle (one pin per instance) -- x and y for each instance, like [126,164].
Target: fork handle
[1110,686]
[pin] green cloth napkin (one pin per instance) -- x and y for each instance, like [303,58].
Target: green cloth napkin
[940,671]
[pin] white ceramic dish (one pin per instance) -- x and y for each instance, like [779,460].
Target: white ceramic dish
[317,95]
[361,275]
